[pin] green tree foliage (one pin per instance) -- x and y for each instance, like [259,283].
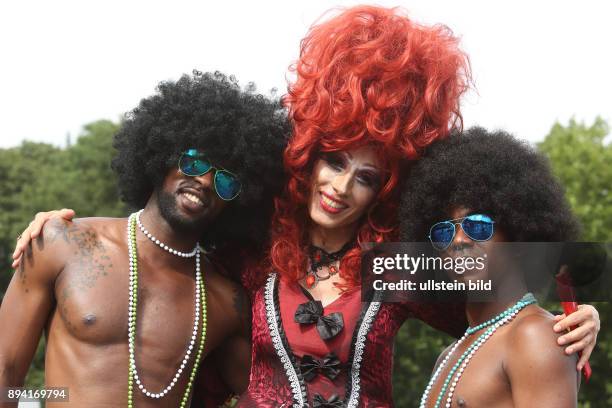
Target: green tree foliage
[581,157]
[582,160]
[81,178]
[417,347]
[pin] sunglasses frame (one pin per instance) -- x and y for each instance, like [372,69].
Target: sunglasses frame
[459,221]
[216,169]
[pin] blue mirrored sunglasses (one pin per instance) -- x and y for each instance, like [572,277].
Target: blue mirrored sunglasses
[194,163]
[478,227]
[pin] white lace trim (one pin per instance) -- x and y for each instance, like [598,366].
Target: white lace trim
[278,343]
[360,344]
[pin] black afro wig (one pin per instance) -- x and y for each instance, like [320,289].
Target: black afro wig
[486,172]
[239,130]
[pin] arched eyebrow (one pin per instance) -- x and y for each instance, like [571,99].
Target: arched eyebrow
[368,165]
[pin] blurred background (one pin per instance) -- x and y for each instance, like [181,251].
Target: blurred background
[71,69]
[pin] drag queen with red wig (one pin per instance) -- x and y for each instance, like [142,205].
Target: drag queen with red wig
[372,90]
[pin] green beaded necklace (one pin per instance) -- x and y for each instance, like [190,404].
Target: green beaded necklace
[132,326]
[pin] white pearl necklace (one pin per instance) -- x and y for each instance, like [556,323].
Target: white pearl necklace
[436,374]
[133,288]
[161,244]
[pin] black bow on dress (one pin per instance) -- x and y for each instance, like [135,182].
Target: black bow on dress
[333,402]
[329,366]
[312,312]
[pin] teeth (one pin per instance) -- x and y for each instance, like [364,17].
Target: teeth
[192,198]
[331,203]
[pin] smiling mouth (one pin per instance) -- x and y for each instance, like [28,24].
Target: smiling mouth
[330,205]
[193,198]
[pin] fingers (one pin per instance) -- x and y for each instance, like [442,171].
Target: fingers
[577,334]
[591,314]
[67,214]
[584,337]
[558,318]
[580,346]
[34,229]
[575,319]
[586,354]
[22,242]
[42,217]
[16,262]
[36,225]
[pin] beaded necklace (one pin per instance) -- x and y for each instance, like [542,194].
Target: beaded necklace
[320,258]
[161,244]
[492,325]
[200,301]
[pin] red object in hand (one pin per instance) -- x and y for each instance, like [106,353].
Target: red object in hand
[566,291]
[568,309]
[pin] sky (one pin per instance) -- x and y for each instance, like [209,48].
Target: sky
[68,63]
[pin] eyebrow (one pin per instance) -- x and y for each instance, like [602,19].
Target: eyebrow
[373,167]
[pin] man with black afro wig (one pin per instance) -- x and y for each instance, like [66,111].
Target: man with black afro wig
[237,130]
[139,298]
[467,194]
[486,171]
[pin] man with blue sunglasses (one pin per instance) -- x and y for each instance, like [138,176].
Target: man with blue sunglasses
[478,227]
[132,307]
[194,163]
[467,194]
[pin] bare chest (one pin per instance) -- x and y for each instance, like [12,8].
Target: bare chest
[93,301]
[479,383]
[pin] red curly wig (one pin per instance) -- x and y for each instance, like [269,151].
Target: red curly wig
[369,76]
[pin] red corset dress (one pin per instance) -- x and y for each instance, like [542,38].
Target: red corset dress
[341,355]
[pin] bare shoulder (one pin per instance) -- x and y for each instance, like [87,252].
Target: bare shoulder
[80,230]
[61,242]
[532,326]
[52,248]
[533,343]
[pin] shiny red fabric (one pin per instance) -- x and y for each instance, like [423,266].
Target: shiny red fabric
[269,385]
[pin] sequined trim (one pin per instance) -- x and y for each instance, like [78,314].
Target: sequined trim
[359,346]
[271,314]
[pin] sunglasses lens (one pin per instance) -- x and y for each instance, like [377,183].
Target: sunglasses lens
[478,227]
[193,163]
[441,235]
[227,185]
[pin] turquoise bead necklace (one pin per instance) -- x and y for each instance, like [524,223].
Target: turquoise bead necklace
[200,301]
[492,325]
